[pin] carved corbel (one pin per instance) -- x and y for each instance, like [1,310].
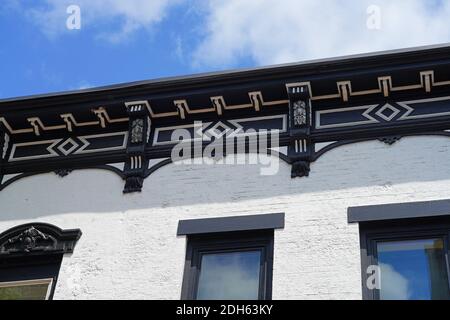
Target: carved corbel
[300,169]
[138,135]
[300,146]
[390,140]
[63,172]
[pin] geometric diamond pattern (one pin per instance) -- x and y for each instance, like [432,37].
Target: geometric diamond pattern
[387,112]
[218,130]
[68,146]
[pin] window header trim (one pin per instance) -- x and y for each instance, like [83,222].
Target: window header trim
[37,239]
[230,224]
[399,211]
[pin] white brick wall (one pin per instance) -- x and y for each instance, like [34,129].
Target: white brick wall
[129,248]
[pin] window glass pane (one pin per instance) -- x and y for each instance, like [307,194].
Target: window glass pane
[413,270]
[24,292]
[233,275]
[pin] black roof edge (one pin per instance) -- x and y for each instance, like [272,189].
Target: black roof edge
[338,63]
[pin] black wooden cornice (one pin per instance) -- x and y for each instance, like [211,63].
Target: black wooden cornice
[316,106]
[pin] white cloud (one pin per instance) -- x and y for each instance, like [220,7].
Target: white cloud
[130,15]
[83,84]
[394,286]
[233,276]
[278,31]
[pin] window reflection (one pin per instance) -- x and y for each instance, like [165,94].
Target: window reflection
[231,275]
[25,290]
[413,270]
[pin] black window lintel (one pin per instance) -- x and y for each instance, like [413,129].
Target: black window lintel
[230,224]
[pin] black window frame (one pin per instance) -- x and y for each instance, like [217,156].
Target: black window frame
[32,268]
[35,251]
[197,245]
[397,230]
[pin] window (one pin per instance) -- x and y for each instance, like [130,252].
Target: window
[30,259]
[231,265]
[229,258]
[26,290]
[25,277]
[410,258]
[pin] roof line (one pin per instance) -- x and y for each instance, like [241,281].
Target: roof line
[242,71]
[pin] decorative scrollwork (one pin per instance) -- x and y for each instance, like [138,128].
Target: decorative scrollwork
[137,131]
[299,113]
[37,238]
[29,240]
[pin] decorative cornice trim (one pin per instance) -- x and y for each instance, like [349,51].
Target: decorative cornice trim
[37,126]
[299,167]
[37,239]
[314,107]
[385,87]
[374,113]
[218,104]
[78,145]
[19,176]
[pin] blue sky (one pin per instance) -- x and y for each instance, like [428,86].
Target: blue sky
[122,41]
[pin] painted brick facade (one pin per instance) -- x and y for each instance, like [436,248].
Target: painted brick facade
[129,248]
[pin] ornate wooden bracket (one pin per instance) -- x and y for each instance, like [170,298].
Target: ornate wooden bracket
[37,239]
[138,135]
[300,146]
[63,172]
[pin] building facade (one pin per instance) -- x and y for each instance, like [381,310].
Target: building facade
[337,185]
